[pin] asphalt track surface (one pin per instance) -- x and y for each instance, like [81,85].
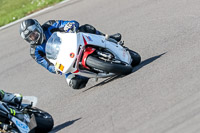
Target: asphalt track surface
[162,95]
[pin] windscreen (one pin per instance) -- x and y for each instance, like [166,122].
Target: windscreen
[53,46]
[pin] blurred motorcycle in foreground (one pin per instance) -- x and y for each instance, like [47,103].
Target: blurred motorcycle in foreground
[24,117]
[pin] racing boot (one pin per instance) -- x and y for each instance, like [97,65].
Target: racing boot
[76,81]
[13,99]
[117,37]
[87,28]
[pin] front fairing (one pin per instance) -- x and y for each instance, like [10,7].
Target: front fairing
[25,124]
[22,127]
[61,50]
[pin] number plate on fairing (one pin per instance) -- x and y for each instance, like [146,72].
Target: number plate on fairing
[20,125]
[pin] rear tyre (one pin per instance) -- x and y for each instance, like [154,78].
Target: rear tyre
[135,57]
[44,121]
[119,69]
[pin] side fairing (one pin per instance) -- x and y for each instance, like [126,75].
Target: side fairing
[100,41]
[120,52]
[92,39]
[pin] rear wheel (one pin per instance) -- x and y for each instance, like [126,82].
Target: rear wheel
[106,66]
[135,57]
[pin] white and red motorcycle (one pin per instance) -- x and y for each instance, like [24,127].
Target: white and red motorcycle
[90,55]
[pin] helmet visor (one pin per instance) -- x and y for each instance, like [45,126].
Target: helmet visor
[33,36]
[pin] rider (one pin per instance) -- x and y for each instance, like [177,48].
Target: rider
[10,98]
[37,35]
[13,99]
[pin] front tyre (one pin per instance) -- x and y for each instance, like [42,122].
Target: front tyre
[44,121]
[135,57]
[119,69]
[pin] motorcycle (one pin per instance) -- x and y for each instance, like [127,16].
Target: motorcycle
[90,55]
[24,118]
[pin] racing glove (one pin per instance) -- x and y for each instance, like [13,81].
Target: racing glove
[54,70]
[14,99]
[70,27]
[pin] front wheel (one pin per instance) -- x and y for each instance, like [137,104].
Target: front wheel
[44,121]
[135,57]
[119,69]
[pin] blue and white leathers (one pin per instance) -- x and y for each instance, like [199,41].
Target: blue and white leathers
[38,51]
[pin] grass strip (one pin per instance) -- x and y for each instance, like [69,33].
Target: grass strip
[11,10]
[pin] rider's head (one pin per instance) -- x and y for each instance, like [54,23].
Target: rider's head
[31,31]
